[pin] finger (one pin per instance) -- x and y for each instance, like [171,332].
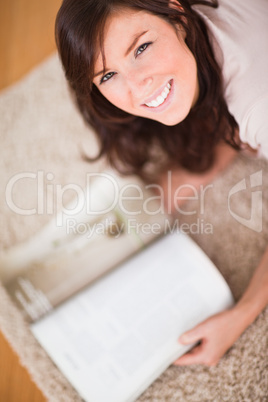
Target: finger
[192,336]
[195,356]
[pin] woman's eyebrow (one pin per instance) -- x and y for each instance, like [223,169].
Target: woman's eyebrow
[99,73]
[134,42]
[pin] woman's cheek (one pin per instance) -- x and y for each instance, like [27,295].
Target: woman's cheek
[117,96]
[108,92]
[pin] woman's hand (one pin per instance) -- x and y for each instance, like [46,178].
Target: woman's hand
[216,335]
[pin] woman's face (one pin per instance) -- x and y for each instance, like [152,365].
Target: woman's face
[150,72]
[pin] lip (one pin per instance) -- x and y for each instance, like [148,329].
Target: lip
[156,94]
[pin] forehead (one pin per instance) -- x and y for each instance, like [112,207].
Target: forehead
[127,17]
[122,27]
[125,22]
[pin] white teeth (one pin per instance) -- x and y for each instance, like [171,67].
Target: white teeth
[164,94]
[154,103]
[161,98]
[166,90]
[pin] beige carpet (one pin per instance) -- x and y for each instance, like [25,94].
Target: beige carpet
[42,132]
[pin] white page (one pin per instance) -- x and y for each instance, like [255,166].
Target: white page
[113,339]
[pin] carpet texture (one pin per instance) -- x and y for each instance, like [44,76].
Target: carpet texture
[41,133]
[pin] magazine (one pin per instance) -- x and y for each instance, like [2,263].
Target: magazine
[113,218]
[125,297]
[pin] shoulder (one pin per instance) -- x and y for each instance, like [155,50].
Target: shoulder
[254,129]
[239,33]
[237,25]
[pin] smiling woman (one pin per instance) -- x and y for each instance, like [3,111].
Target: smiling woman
[162,84]
[119,79]
[149,73]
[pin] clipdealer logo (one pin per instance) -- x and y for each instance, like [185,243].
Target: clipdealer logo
[254,222]
[105,192]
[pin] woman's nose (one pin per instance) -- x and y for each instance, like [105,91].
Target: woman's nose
[139,84]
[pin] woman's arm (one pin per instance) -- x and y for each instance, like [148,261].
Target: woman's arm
[218,333]
[224,156]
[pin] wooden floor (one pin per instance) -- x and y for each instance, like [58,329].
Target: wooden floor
[26,38]
[15,382]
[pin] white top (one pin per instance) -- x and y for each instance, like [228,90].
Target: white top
[240,30]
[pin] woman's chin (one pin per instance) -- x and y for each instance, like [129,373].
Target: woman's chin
[169,120]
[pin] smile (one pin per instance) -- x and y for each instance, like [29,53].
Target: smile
[160,99]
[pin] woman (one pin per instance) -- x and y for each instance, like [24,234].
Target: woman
[148,77]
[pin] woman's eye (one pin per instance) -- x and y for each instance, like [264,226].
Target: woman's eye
[142,48]
[106,77]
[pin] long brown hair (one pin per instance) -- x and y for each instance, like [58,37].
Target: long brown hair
[133,143]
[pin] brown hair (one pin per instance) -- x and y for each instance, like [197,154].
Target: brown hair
[129,142]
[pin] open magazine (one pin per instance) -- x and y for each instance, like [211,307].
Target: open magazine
[116,335]
[112,219]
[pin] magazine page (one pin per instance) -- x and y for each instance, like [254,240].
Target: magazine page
[116,337]
[119,217]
